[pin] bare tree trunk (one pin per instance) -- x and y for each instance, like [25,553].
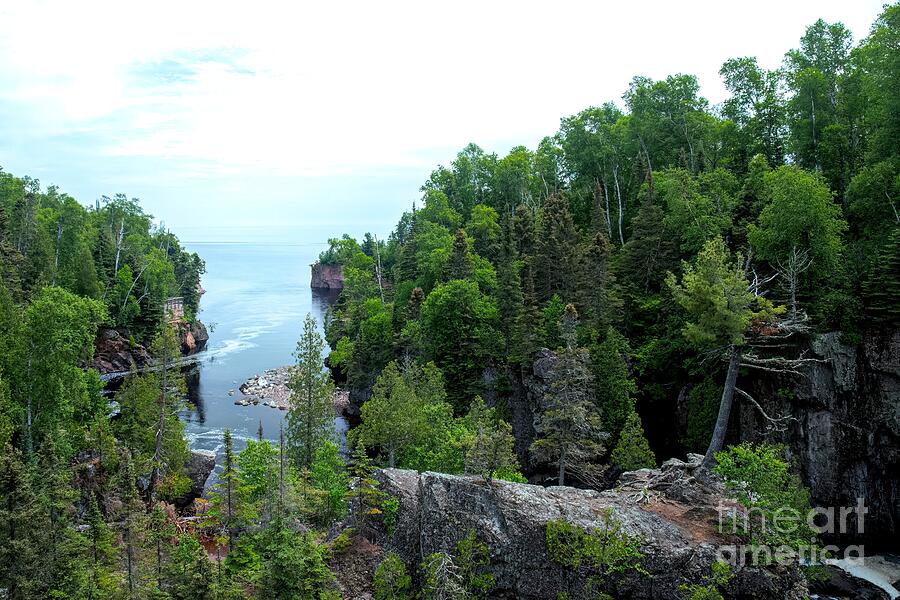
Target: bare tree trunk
[161,425]
[606,202]
[378,269]
[619,197]
[718,436]
[119,244]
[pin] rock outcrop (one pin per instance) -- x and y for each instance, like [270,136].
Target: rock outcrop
[677,529]
[846,434]
[198,468]
[326,277]
[115,353]
[193,337]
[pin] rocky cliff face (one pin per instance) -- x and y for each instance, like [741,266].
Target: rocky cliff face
[846,433]
[677,527]
[326,277]
[114,353]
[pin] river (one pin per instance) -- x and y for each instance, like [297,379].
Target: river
[257,295]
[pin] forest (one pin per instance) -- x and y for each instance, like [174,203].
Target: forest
[652,253]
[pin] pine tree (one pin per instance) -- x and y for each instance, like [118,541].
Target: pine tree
[598,296]
[882,289]
[649,253]
[459,266]
[134,522]
[491,449]
[510,300]
[364,496]
[310,420]
[20,530]
[633,451]
[557,250]
[570,433]
[391,581]
[612,382]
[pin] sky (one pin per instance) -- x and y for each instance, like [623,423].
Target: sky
[287,120]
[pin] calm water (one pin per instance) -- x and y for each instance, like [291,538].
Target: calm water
[257,295]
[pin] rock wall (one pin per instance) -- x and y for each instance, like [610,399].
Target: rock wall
[678,532]
[326,277]
[846,433]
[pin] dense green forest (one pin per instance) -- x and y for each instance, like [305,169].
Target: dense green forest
[654,247]
[665,234]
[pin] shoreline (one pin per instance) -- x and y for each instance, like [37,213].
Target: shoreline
[270,389]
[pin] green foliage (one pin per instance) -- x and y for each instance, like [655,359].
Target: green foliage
[710,589]
[473,561]
[758,477]
[391,580]
[715,293]
[329,475]
[491,446]
[407,412]
[613,385]
[294,567]
[607,550]
[389,508]
[310,419]
[632,450]
[460,323]
[342,541]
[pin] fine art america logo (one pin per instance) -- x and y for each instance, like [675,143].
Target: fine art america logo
[787,535]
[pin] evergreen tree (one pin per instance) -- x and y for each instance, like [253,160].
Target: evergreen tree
[613,385]
[569,430]
[882,289]
[364,496]
[491,449]
[391,581]
[510,301]
[557,250]
[20,530]
[310,420]
[189,574]
[633,451]
[598,296]
[459,266]
[649,253]
[294,567]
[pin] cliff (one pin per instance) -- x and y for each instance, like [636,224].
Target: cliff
[671,511]
[326,277]
[845,436]
[115,354]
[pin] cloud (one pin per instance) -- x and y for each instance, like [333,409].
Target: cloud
[171,95]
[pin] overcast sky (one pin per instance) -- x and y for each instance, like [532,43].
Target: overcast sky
[330,115]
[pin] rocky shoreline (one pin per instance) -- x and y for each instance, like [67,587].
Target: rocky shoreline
[271,389]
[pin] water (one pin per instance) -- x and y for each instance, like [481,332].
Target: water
[257,295]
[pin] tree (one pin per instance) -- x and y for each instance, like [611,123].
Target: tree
[598,297]
[310,420]
[365,498]
[294,567]
[721,304]
[613,385]
[329,476]
[632,450]
[20,529]
[167,350]
[557,250]
[569,427]
[491,449]
[460,324]
[800,213]
[189,576]
[402,409]
[391,580]
[459,266]
[510,300]
[756,106]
